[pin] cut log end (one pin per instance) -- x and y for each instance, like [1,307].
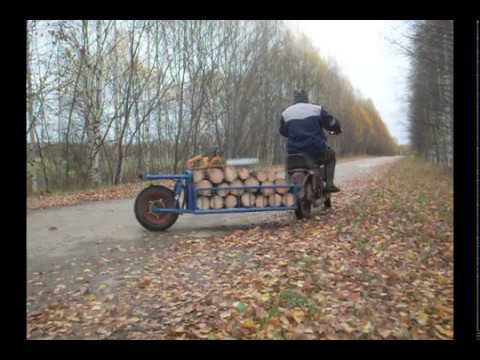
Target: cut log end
[275,200]
[288,200]
[216,202]
[251,181]
[272,176]
[215,175]
[203,202]
[268,191]
[247,200]
[281,182]
[261,201]
[221,192]
[237,183]
[231,201]
[243,173]
[261,176]
[198,175]
[204,184]
[230,174]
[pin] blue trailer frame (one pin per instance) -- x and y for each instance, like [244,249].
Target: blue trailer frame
[184,184]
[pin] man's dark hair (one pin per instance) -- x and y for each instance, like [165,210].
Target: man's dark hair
[300,96]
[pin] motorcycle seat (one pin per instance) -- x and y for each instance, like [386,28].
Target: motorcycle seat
[300,162]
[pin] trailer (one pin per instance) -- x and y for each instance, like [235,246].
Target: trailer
[157,207]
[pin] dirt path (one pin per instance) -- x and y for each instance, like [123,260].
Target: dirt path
[68,244]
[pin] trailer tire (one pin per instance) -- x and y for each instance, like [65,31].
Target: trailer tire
[159,196]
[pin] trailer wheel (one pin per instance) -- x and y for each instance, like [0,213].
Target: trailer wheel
[151,197]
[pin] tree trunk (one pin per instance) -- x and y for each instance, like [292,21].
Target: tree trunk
[31,121]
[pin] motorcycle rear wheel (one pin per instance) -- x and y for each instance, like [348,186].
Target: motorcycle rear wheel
[304,209]
[328,202]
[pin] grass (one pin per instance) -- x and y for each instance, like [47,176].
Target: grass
[291,299]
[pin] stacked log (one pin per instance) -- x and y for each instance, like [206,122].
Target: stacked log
[198,175]
[273,175]
[288,200]
[223,193]
[268,191]
[215,175]
[281,191]
[231,201]
[275,200]
[216,202]
[251,181]
[243,173]
[230,174]
[215,196]
[261,176]
[237,184]
[261,201]
[247,200]
[207,185]
[203,202]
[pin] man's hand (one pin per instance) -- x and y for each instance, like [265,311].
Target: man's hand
[337,129]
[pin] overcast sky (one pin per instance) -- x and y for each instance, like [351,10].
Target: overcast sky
[364,54]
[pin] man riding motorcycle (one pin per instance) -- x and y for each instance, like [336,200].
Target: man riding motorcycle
[303,123]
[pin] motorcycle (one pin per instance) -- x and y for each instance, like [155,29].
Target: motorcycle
[311,177]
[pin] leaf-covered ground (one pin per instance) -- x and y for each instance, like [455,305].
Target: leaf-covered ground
[379,265]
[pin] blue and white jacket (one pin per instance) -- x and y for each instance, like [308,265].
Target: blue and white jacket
[303,124]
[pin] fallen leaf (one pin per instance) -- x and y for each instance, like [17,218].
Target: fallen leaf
[385,333]
[422,318]
[443,332]
[367,328]
[249,324]
[298,316]
[347,328]
[241,307]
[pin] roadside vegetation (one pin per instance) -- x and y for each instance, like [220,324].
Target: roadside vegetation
[108,99]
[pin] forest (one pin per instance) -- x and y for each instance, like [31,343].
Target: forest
[430,99]
[107,100]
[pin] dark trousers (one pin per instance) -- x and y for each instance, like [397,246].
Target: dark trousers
[329,159]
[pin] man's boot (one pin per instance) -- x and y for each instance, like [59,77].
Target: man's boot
[330,173]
